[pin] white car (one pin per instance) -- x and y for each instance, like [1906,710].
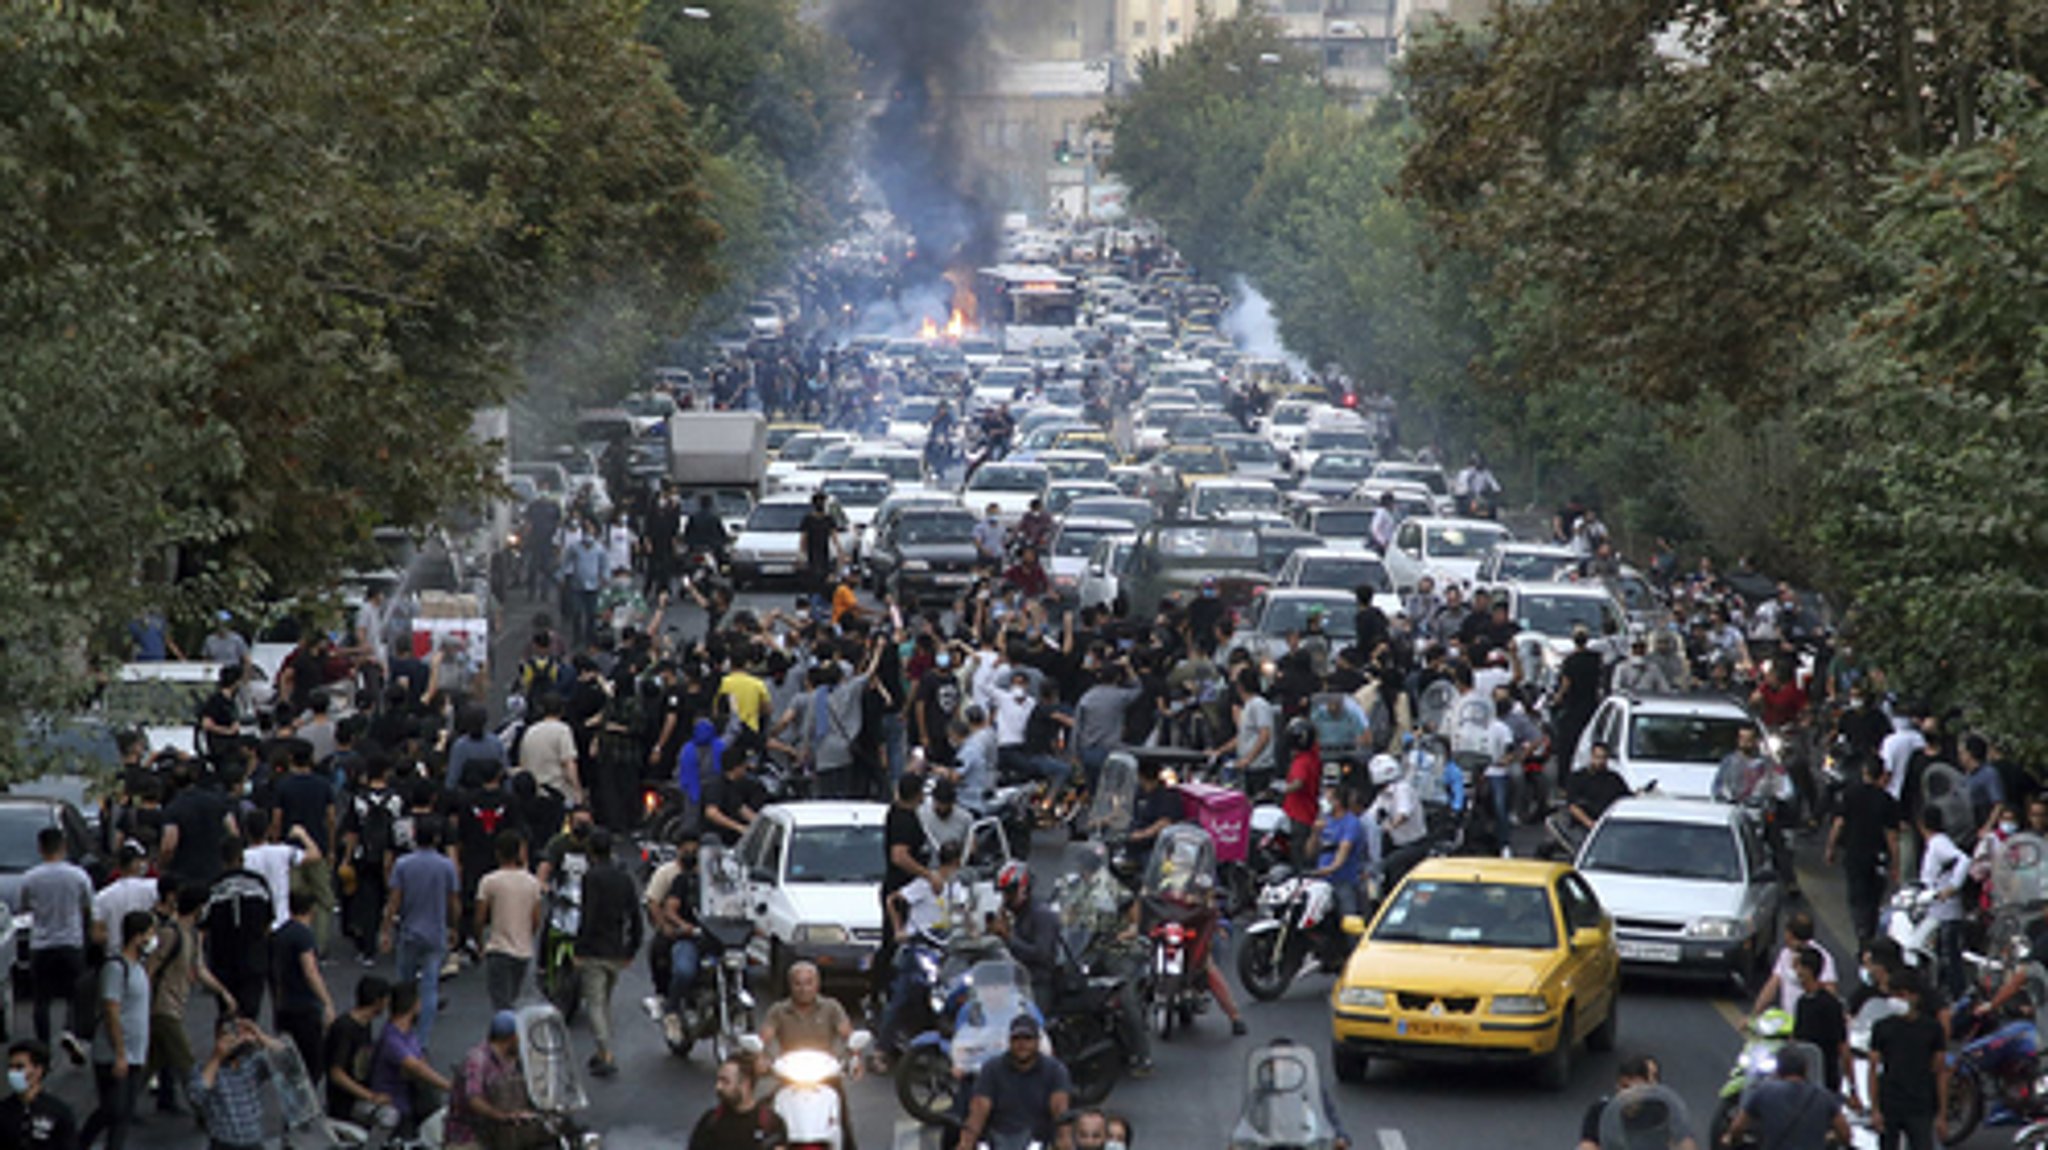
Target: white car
[1010,486]
[1102,579]
[1446,550]
[1546,614]
[814,876]
[858,494]
[1065,492]
[764,319]
[770,546]
[1411,499]
[1075,545]
[899,501]
[903,466]
[1281,612]
[1517,562]
[1353,437]
[1428,474]
[1210,498]
[1345,527]
[1153,427]
[1287,423]
[1329,569]
[1253,458]
[796,454]
[1675,741]
[1690,888]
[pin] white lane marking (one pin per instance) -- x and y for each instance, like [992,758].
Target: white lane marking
[1392,1140]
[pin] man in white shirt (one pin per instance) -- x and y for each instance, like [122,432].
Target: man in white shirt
[1897,751]
[275,861]
[1384,520]
[1943,869]
[548,752]
[134,890]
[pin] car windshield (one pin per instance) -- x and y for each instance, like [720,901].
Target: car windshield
[1212,543]
[1559,614]
[1211,500]
[1244,451]
[1524,567]
[1199,460]
[1463,542]
[1328,438]
[153,702]
[646,406]
[1344,572]
[857,492]
[1695,851]
[1008,479]
[1282,616]
[1341,465]
[1078,542]
[802,448]
[1682,738]
[979,347]
[778,516]
[1343,524]
[19,826]
[1475,914]
[1078,467]
[842,855]
[929,528]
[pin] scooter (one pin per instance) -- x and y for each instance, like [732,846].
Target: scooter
[1906,921]
[807,1095]
[1769,1033]
[1298,923]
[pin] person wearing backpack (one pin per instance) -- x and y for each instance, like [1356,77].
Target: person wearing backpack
[120,1041]
[368,844]
[236,927]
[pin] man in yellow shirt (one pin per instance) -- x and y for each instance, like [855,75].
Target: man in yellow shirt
[747,695]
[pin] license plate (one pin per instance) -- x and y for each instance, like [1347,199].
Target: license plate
[1630,950]
[778,569]
[950,578]
[1430,1028]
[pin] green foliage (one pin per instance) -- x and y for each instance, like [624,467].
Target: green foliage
[1934,512]
[259,262]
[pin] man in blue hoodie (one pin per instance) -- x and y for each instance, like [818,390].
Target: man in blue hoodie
[704,753]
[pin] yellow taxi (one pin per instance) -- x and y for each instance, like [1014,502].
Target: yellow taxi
[1078,439]
[1192,461]
[1476,960]
[782,431]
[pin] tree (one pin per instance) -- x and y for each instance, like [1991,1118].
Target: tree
[261,262]
[1935,520]
[1191,136]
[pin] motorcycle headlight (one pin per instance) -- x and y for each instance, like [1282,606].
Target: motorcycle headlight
[1774,743]
[735,960]
[1520,1004]
[1714,926]
[1363,997]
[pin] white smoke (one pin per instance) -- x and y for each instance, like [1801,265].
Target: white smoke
[1250,325]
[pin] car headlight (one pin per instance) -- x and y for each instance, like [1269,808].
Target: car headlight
[1520,1004]
[822,934]
[917,565]
[1365,997]
[1714,926]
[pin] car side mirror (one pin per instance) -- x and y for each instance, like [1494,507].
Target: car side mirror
[1587,937]
[1353,925]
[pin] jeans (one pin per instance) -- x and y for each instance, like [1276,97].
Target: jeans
[1866,882]
[1091,765]
[599,976]
[504,975]
[117,1105]
[906,983]
[305,1028]
[55,971]
[1948,947]
[1502,789]
[1051,768]
[419,962]
[682,972]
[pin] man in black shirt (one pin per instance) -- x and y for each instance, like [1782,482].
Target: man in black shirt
[608,935]
[664,523]
[1158,806]
[1819,1018]
[907,856]
[1590,792]
[1578,691]
[820,535]
[194,824]
[733,799]
[347,1052]
[1865,836]
[236,928]
[1910,1070]
[32,1118]
[737,1122]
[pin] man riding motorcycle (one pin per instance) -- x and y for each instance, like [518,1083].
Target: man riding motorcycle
[1101,907]
[1029,928]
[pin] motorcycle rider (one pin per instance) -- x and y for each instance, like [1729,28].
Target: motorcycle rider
[1588,794]
[1348,847]
[807,1020]
[1020,1095]
[491,1089]
[1748,779]
[925,905]
[705,531]
[1029,928]
[738,1121]
[677,927]
[1298,792]
[1099,905]
[1635,1070]
[1398,813]
[1789,1112]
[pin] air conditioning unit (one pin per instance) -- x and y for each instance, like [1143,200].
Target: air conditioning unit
[1345,30]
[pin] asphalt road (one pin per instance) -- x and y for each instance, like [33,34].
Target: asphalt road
[1191,1101]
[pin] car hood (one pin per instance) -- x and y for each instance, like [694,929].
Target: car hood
[851,905]
[1674,780]
[1447,969]
[1659,896]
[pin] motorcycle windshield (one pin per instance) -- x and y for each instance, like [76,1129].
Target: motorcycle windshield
[549,1061]
[1183,865]
[1646,1118]
[2019,871]
[721,884]
[299,1104]
[1109,812]
[1942,789]
[997,992]
[1283,1103]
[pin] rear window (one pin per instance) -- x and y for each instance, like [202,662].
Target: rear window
[1208,543]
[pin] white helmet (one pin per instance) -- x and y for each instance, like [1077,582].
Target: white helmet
[1384,769]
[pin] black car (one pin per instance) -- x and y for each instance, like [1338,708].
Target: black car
[925,553]
[1175,557]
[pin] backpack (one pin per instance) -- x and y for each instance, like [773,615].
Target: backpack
[538,675]
[376,817]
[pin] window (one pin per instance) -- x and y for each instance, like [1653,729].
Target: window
[1581,905]
[1172,26]
[1137,29]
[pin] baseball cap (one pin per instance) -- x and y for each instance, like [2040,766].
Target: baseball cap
[1023,1025]
[504,1024]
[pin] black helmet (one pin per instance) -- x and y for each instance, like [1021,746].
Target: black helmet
[1301,732]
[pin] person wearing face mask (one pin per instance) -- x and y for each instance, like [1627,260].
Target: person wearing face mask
[933,708]
[31,1117]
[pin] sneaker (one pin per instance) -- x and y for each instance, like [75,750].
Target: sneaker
[366,960]
[1238,1029]
[652,1006]
[672,1030]
[74,1047]
[604,1069]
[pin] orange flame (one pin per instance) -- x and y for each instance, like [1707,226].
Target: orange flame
[956,326]
[929,332]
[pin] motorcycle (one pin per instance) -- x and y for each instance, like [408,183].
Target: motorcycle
[807,1094]
[1298,923]
[1085,1020]
[1993,1055]
[1178,896]
[1283,1104]
[721,1009]
[1907,920]
[936,1077]
[1769,1033]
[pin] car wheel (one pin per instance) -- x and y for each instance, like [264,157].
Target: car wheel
[1349,1065]
[1602,1039]
[1554,1070]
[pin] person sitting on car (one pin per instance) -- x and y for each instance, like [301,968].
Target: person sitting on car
[1590,792]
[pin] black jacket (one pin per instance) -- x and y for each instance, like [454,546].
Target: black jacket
[611,926]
